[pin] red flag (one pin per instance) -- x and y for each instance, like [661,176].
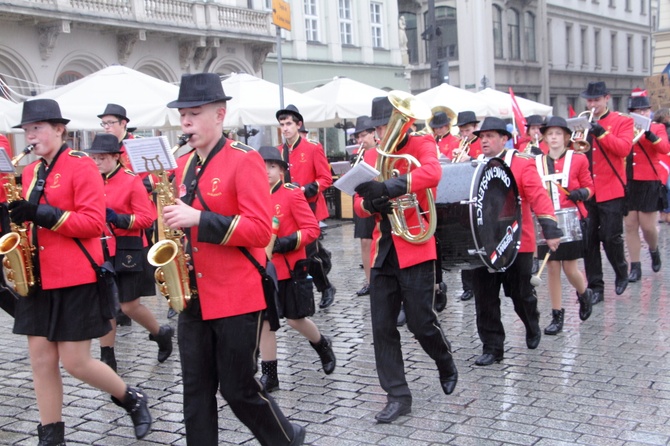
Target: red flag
[518,116]
[571,111]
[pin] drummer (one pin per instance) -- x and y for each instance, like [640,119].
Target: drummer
[565,175]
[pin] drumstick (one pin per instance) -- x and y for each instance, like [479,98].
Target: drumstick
[275,230]
[535,280]
[561,188]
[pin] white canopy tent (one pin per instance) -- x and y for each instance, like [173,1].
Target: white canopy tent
[500,104]
[455,98]
[10,115]
[346,98]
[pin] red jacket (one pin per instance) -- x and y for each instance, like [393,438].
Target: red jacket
[616,142]
[475,148]
[308,164]
[125,195]
[234,184]
[578,177]
[642,164]
[523,142]
[418,180]
[444,143]
[73,186]
[4,144]
[295,216]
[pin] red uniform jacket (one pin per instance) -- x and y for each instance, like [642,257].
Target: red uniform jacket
[523,142]
[444,143]
[308,164]
[295,216]
[125,194]
[642,168]
[4,144]
[475,148]
[75,187]
[418,180]
[616,142]
[234,184]
[578,177]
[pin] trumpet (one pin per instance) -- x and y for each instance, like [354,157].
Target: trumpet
[359,155]
[580,127]
[641,124]
[464,148]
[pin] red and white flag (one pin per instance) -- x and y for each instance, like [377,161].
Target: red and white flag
[520,120]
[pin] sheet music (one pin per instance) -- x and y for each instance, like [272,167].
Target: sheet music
[6,163]
[359,174]
[151,154]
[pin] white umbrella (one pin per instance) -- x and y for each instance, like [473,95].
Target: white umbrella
[256,102]
[500,104]
[346,98]
[10,115]
[144,98]
[455,98]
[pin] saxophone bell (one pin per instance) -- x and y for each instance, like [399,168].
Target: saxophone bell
[164,255]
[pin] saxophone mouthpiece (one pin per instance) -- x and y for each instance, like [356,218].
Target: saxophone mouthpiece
[183,139]
[29,148]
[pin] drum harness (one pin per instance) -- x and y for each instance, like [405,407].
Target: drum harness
[552,179]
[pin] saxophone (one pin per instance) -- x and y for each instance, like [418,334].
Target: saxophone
[15,245]
[167,254]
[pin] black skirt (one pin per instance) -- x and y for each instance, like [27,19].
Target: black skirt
[642,196]
[566,251]
[363,226]
[63,314]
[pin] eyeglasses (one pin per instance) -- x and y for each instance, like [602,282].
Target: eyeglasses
[108,123]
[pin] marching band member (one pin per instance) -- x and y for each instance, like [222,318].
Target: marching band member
[610,138]
[402,272]
[64,200]
[643,190]
[441,130]
[468,140]
[224,206]
[494,135]
[128,212]
[565,175]
[532,142]
[662,116]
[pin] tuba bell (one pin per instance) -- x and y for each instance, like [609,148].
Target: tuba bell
[406,110]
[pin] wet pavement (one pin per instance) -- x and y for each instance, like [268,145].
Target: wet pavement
[605,381]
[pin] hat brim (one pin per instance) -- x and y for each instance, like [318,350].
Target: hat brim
[114,114]
[502,132]
[378,122]
[55,121]
[586,95]
[458,124]
[282,163]
[190,104]
[102,152]
[289,112]
[544,128]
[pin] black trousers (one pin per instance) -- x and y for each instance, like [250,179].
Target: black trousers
[605,225]
[414,288]
[221,354]
[467,277]
[486,287]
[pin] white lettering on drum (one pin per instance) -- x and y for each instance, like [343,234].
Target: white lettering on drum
[495,172]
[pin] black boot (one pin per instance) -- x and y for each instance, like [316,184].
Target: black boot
[122,319]
[52,434]
[556,325]
[441,297]
[107,356]
[635,271]
[135,403]
[655,260]
[325,350]
[269,377]
[585,306]
[164,341]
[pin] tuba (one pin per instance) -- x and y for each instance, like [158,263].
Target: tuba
[580,130]
[167,254]
[15,245]
[451,115]
[406,109]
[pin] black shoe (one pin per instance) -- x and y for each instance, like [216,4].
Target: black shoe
[536,267]
[324,348]
[635,272]
[620,285]
[171,313]
[597,297]
[585,304]
[655,260]
[533,339]
[402,318]
[392,411]
[363,291]
[135,403]
[164,341]
[556,325]
[449,378]
[327,297]
[467,295]
[122,320]
[298,435]
[269,384]
[441,297]
[488,359]
[51,434]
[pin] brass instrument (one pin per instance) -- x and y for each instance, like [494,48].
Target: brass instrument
[359,155]
[640,125]
[167,254]
[15,245]
[580,127]
[464,149]
[533,143]
[428,130]
[406,110]
[183,139]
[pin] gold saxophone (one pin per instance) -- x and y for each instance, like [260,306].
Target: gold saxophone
[167,254]
[15,245]
[406,109]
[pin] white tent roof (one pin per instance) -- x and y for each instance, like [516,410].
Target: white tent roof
[346,98]
[500,104]
[455,98]
[10,115]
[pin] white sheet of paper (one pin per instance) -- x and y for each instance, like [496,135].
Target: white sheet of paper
[6,163]
[151,154]
[359,174]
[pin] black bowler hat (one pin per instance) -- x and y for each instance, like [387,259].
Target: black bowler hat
[270,153]
[555,121]
[595,90]
[639,102]
[116,110]
[440,119]
[466,117]
[302,129]
[534,120]
[289,110]
[381,111]
[493,124]
[104,143]
[41,110]
[363,123]
[199,89]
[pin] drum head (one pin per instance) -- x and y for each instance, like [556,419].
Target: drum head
[495,214]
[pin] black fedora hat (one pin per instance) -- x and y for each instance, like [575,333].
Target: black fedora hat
[534,120]
[381,111]
[41,110]
[595,90]
[555,121]
[115,110]
[440,119]
[363,123]
[289,110]
[104,143]
[199,89]
[466,117]
[493,124]
[638,102]
[302,129]
[270,153]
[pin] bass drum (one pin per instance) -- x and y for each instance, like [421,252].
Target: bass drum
[478,215]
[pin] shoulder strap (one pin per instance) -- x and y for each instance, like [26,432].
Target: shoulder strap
[607,158]
[95,266]
[649,159]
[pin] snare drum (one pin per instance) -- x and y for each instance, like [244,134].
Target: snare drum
[478,215]
[568,221]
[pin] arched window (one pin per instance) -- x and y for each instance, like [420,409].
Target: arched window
[68,77]
[529,31]
[412,37]
[497,32]
[513,34]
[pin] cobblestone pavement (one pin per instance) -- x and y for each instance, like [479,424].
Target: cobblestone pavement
[600,382]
